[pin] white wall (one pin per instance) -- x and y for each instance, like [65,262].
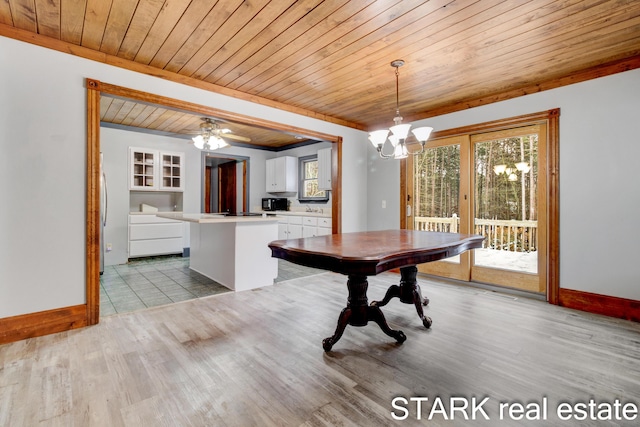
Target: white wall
[599,185]
[42,168]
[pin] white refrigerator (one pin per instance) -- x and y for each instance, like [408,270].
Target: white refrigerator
[103,212]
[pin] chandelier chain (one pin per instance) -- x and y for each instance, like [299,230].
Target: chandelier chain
[399,132]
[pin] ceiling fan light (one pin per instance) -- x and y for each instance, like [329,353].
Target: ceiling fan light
[216,142]
[198,141]
[400,131]
[423,133]
[222,143]
[378,137]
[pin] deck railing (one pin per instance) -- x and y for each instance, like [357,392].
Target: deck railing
[430,223]
[507,235]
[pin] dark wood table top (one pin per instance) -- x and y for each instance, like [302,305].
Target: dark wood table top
[372,252]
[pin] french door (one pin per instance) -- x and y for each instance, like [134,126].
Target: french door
[492,184]
[439,184]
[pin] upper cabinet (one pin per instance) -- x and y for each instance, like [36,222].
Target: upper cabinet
[171,170]
[282,175]
[153,170]
[143,169]
[324,169]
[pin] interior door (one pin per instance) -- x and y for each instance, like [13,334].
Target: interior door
[439,198]
[207,189]
[227,194]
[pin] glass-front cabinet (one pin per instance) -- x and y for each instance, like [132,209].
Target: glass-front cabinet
[153,170]
[172,166]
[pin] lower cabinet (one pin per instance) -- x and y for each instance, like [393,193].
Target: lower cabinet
[294,226]
[309,226]
[324,226]
[289,227]
[150,235]
[315,226]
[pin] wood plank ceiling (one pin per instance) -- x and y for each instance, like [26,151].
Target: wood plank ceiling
[126,114]
[331,59]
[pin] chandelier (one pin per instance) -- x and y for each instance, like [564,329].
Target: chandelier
[209,136]
[399,132]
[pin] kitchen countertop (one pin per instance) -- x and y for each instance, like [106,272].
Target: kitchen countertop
[201,218]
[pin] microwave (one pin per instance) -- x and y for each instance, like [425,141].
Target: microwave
[275,204]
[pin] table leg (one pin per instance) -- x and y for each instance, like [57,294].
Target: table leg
[359,313]
[408,292]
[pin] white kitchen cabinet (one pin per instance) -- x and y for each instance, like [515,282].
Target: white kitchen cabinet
[171,171]
[324,226]
[315,226]
[324,169]
[143,169]
[153,170]
[290,227]
[151,235]
[282,175]
[309,226]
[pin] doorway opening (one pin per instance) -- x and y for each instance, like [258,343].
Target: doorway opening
[95,89]
[225,181]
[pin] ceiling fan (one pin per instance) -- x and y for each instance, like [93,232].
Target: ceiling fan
[210,135]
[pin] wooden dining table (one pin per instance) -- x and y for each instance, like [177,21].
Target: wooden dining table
[361,254]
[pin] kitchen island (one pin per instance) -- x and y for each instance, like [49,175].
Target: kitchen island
[232,250]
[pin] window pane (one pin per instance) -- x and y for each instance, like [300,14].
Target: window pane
[437,191]
[311,170]
[308,180]
[311,189]
[506,203]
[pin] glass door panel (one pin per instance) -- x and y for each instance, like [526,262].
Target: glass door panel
[439,198]
[506,207]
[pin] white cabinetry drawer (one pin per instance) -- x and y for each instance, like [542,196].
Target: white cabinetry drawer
[155,231]
[295,220]
[324,222]
[152,235]
[155,247]
[150,219]
[310,220]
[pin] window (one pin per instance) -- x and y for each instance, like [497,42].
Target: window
[308,188]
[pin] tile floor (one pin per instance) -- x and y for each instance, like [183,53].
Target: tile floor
[149,282]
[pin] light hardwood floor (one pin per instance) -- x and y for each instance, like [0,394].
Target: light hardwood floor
[255,358]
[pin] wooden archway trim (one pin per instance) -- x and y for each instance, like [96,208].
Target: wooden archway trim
[94,90]
[93,203]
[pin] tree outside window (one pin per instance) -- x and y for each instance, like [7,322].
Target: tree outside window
[308,190]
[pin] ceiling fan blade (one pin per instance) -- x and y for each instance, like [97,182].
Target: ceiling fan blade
[235,137]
